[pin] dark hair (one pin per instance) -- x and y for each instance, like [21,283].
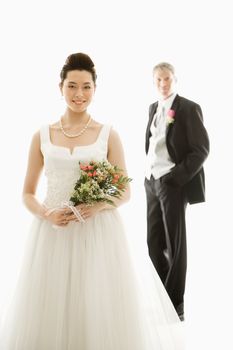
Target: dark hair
[78,61]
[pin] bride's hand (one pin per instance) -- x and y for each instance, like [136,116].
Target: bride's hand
[60,216]
[86,211]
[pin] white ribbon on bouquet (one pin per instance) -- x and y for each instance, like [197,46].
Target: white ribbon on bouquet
[66,205]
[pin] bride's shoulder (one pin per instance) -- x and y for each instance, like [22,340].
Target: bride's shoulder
[114,137]
[54,126]
[96,125]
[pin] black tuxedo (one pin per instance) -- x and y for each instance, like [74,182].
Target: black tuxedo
[188,146]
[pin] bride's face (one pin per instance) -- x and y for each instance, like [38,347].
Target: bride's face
[78,89]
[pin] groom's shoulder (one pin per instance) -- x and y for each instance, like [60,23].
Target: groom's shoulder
[153,106]
[186,102]
[153,103]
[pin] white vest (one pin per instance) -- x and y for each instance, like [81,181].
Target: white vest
[158,161]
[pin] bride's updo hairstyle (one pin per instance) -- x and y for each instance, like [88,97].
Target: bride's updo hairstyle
[78,61]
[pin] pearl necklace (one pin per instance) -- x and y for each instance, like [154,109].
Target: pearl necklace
[79,133]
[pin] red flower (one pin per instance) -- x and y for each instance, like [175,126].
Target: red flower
[83,167]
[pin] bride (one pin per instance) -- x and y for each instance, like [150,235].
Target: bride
[78,288]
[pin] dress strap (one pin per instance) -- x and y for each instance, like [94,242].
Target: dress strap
[44,134]
[103,137]
[104,132]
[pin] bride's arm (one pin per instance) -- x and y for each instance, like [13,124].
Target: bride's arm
[116,157]
[34,169]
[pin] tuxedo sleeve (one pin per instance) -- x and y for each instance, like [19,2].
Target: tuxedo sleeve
[197,142]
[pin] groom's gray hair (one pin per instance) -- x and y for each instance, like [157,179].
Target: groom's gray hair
[164,65]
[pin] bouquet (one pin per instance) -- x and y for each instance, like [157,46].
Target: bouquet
[98,182]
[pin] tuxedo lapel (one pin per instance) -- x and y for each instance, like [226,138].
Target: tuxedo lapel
[152,111]
[151,116]
[174,107]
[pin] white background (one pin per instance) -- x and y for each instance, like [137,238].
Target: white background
[125,40]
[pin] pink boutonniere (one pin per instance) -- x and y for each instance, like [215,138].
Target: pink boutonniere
[170,116]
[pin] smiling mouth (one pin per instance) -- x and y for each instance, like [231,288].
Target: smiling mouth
[79,102]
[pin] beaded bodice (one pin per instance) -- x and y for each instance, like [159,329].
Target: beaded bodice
[61,167]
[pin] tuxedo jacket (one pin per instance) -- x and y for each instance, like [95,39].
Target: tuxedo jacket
[188,146]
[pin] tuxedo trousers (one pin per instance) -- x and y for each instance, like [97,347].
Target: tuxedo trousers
[166,236]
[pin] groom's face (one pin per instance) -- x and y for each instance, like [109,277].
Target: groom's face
[165,81]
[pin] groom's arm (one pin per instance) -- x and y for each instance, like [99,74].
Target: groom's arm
[197,147]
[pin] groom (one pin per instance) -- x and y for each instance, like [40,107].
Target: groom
[177,145]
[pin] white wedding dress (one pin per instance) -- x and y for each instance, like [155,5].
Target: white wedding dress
[78,289]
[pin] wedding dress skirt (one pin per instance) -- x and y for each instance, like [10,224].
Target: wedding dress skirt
[78,288]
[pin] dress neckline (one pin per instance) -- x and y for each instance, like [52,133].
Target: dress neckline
[71,151]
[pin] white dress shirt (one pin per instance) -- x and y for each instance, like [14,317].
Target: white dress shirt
[158,161]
